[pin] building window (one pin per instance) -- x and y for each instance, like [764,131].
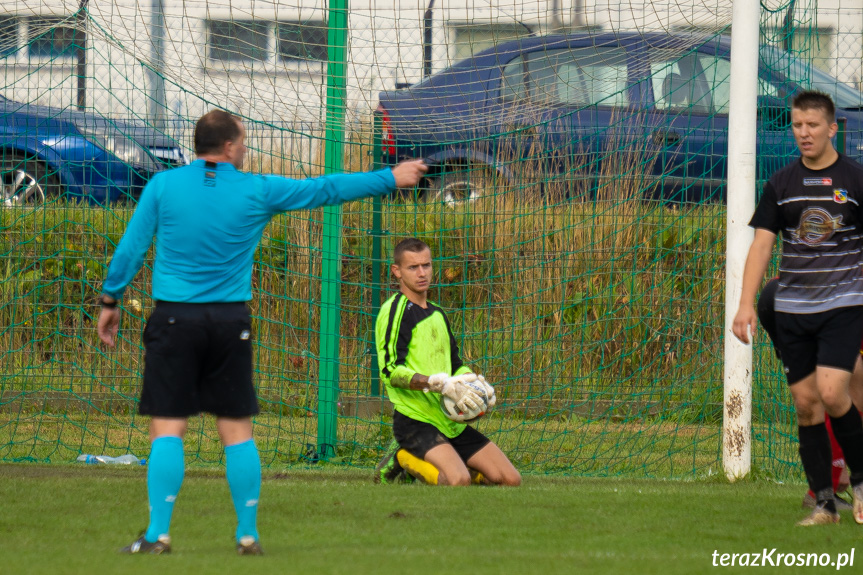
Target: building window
[238,40]
[472,38]
[52,37]
[302,40]
[8,35]
[248,41]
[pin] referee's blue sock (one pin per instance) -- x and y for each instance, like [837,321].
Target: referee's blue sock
[165,470]
[243,469]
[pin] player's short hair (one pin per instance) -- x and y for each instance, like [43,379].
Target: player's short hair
[214,129]
[413,245]
[813,100]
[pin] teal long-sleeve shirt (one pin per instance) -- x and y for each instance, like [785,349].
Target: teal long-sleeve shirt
[208,220]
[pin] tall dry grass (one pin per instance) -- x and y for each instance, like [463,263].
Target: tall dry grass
[566,291]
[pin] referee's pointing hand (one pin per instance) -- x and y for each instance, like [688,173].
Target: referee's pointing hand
[408,173]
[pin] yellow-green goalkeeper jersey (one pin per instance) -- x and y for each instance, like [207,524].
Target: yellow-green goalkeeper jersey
[411,339]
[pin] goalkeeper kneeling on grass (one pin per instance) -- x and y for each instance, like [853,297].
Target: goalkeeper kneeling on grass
[420,363]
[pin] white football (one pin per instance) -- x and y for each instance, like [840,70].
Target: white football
[447,404]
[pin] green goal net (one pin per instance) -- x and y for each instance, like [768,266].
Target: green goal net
[575,208]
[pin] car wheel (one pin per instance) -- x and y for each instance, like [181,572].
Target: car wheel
[463,184]
[26,182]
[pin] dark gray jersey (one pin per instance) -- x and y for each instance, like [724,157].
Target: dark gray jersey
[819,216]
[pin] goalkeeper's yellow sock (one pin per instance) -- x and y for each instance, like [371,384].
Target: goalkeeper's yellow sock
[476,477]
[422,470]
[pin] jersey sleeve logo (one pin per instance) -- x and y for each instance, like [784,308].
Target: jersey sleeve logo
[840,195]
[817,225]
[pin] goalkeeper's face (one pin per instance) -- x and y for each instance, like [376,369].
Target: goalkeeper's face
[414,272]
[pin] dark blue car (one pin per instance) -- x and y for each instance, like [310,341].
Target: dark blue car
[47,152]
[651,109]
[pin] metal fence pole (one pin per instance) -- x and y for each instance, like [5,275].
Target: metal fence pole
[377,261]
[328,369]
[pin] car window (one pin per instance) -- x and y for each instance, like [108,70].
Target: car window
[512,83]
[678,82]
[570,76]
[717,71]
[765,88]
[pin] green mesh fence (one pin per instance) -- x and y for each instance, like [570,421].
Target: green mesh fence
[575,208]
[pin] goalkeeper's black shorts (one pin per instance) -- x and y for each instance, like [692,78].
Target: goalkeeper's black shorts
[418,437]
[198,357]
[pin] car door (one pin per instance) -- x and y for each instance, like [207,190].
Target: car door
[560,113]
[774,142]
[688,125]
[683,129]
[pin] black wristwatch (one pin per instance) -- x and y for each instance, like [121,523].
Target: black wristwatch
[108,304]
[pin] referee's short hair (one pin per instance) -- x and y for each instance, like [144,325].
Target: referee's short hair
[413,245]
[813,100]
[214,129]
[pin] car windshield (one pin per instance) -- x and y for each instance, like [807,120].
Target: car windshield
[802,74]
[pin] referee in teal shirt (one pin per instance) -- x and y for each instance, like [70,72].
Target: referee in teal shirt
[207,219]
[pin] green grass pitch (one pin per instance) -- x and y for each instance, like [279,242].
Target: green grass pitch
[72,519]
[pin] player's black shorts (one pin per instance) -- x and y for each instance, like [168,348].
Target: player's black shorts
[419,437]
[198,357]
[828,339]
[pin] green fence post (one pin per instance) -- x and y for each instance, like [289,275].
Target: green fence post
[377,163]
[841,137]
[328,369]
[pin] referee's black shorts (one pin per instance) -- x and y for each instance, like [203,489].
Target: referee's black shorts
[828,339]
[198,357]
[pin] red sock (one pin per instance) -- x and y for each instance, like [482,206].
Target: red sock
[838,457]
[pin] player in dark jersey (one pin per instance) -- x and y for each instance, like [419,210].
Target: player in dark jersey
[839,475]
[420,361]
[816,204]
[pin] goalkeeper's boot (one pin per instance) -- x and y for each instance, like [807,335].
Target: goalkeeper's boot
[248,545]
[388,469]
[821,515]
[141,545]
[857,502]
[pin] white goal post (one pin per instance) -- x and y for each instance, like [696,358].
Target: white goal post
[737,410]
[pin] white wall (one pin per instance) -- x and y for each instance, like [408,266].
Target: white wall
[385,47]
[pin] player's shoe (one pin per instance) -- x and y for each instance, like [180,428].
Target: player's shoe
[141,545]
[857,502]
[841,504]
[388,469]
[819,516]
[248,545]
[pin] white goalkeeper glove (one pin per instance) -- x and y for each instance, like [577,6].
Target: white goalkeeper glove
[435,382]
[454,387]
[489,391]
